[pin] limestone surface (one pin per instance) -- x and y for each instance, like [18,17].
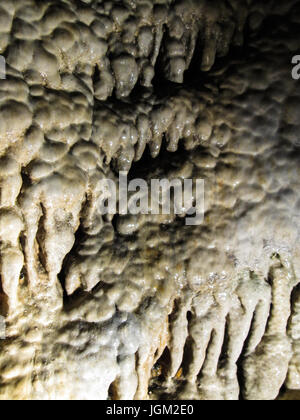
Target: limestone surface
[145,307]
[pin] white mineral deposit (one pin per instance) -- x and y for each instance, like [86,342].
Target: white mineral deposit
[144,306]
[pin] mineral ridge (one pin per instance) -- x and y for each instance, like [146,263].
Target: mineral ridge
[144,307]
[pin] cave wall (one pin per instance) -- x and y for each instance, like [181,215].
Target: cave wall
[145,307]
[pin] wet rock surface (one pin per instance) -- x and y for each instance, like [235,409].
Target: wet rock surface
[144,306]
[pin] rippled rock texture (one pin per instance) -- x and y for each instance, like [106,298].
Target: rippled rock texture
[145,307]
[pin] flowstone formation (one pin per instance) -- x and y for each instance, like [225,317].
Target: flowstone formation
[145,307]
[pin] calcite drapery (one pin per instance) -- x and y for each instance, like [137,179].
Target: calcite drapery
[145,307]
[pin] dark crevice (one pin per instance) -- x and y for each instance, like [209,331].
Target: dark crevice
[40,237]
[70,258]
[189,316]
[295,299]
[160,371]
[113,391]
[187,356]
[3,301]
[80,236]
[165,161]
[96,76]
[224,352]
[174,314]
[164,361]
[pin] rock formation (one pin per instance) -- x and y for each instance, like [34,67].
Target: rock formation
[144,307]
